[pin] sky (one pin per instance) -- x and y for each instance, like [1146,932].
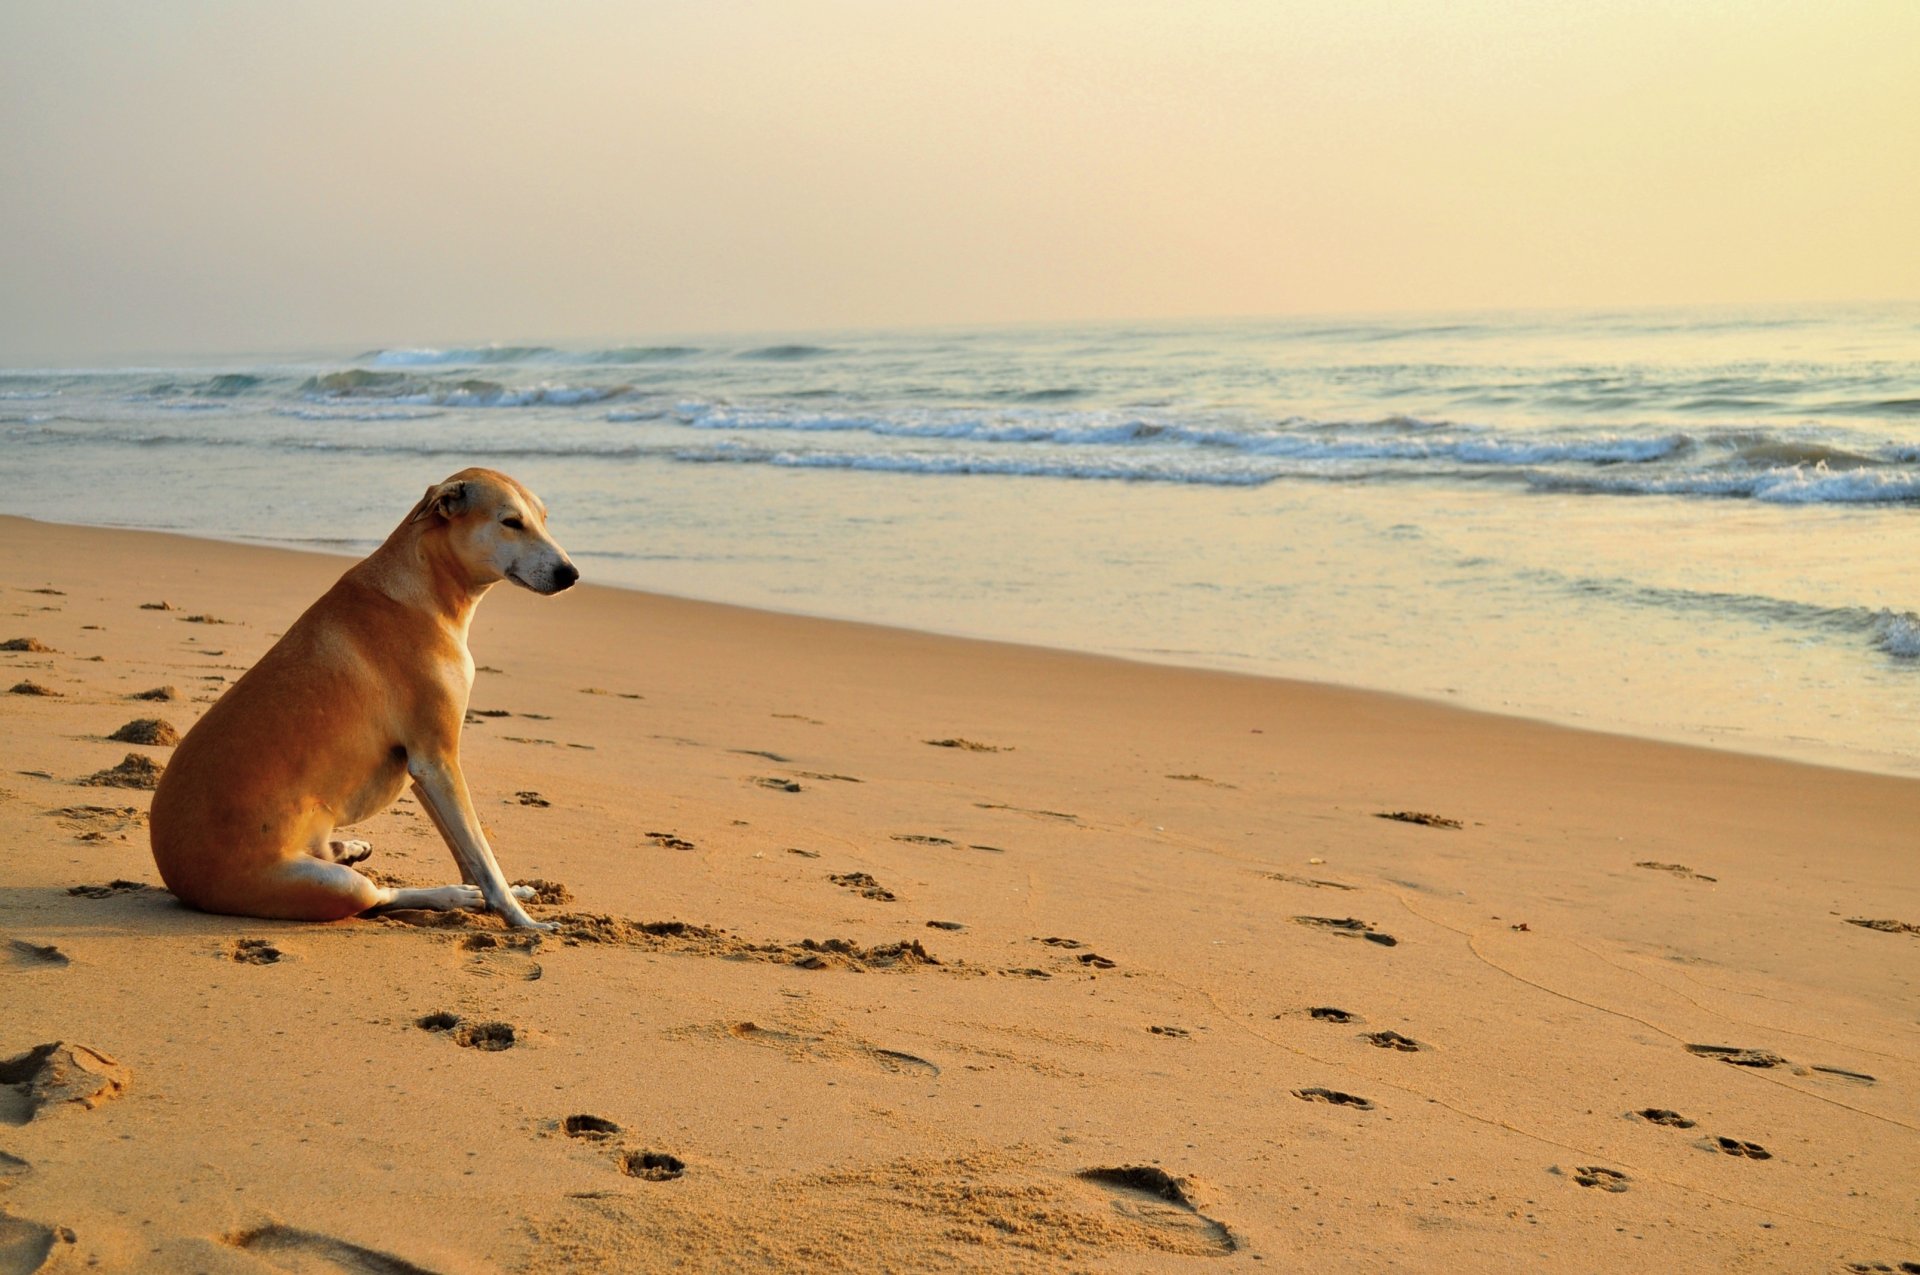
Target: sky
[198,177]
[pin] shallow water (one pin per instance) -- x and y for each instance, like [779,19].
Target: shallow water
[1697,526]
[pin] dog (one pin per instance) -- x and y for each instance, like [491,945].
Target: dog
[364,693]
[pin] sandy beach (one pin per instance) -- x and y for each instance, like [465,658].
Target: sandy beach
[883,951]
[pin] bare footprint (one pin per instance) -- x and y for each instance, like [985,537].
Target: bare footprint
[1735,1147]
[652,1166]
[592,1127]
[1328,1014]
[1661,1116]
[1392,1040]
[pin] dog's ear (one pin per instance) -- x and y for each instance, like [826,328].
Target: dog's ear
[448,499]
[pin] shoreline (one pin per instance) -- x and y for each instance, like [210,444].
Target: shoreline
[884,949]
[1148,659]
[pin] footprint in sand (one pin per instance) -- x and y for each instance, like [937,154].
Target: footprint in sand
[109,890]
[99,823]
[1735,1147]
[1348,926]
[56,1077]
[1175,1032]
[1328,1014]
[489,1037]
[27,1246]
[1595,1175]
[864,885]
[594,1128]
[18,956]
[777,784]
[494,955]
[652,1166]
[1149,1194]
[1661,1116]
[441,1021]
[291,1249]
[672,842]
[1333,1096]
[1393,1040]
[1873,1268]
[968,745]
[920,839]
[253,952]
[945,925]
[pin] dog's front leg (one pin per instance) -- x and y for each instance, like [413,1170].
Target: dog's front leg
[443,791]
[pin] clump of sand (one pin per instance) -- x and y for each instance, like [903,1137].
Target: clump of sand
[154,731]
[32,688]
[135,771]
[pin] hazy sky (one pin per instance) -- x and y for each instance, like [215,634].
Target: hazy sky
[186,176]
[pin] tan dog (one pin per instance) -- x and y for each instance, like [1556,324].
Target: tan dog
[366,690]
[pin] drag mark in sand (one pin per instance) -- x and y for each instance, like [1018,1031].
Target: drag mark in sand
[55,1077]
[1677,869]
[18,955]
[1347,927]
[1333,1097]
[1312,883]
[1420,817]
[574,929]
[291,1249]
[1885,927]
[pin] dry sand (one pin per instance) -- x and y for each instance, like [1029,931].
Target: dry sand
[1130,1044]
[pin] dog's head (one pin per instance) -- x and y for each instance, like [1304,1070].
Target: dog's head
[498,529]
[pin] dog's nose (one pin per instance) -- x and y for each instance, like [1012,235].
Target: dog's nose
[564,576]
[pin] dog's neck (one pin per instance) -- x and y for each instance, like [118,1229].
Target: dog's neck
[417,568]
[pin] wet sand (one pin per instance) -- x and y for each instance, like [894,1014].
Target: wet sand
[885,951]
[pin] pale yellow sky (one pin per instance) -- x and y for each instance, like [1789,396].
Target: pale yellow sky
[189,176]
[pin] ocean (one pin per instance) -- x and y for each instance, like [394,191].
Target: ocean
[1692,525]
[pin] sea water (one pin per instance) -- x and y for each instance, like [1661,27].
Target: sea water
[1693,525]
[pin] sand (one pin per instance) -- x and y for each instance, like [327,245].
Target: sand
[880,951]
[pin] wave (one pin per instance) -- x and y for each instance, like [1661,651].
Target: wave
[640,354]
[404,387]
[1897,633]
[893,462]
[370,414]
[467,355]
[786,353]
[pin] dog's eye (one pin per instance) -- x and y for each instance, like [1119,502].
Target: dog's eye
[515,523]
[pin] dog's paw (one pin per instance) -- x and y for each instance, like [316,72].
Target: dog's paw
[349,851]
